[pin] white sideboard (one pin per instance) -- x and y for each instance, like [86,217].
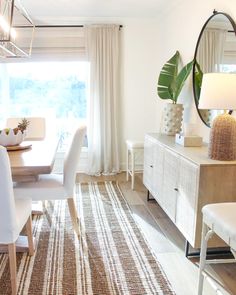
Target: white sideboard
[183,180]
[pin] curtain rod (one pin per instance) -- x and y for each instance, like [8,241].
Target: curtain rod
[54,26]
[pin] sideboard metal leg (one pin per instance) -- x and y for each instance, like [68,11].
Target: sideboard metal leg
[148,196]
[187,249]
[215,252]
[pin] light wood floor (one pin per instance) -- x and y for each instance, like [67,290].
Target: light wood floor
[168,244]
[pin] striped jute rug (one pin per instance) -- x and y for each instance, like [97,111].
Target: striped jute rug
[111,256]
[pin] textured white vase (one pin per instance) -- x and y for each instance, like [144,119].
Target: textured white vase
[172,118]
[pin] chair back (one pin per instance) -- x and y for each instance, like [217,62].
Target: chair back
[72,158]
[36,129]
[8,227]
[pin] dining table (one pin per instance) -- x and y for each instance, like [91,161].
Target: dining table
[32,158]
[28,161]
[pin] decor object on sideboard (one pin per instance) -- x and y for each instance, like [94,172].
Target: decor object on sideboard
[213,48]
[188,140]
[170,84]
[16,30]
[189,136]
[218,93]
[15,136]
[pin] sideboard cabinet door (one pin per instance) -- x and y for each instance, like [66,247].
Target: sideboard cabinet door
[153,167]
[170,183]
[187,198]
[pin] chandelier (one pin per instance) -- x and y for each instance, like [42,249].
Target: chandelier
[16,30]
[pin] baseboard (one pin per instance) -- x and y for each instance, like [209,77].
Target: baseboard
[83,162]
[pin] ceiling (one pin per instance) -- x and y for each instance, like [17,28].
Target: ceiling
[41,11]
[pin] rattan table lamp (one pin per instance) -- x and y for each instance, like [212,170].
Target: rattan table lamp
[218,92]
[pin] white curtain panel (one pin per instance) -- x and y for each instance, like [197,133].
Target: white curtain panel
[211,50]
[103,44]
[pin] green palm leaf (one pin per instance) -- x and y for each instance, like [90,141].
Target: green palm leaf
[167,77]
[170,83]
[181,78]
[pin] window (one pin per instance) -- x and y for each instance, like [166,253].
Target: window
[228,68]
[55,90]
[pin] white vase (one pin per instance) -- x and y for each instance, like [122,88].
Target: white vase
[172,118]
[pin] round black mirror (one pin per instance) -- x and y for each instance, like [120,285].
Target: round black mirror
[215,52]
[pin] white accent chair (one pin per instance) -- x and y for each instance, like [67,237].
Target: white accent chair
[14,214]
[36,129]
[58,186]
[132,148]
[218,219]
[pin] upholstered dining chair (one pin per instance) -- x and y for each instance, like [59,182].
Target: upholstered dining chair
[58,186]
[14,214]
[36,129]
[218,219]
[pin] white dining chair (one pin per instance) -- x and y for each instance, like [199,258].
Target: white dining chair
[58,186]
[36,129]
[14,214]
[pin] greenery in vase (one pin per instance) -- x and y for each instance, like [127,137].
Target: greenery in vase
[198,75]
[171,81]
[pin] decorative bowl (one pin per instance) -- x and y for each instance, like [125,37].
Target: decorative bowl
[9,138]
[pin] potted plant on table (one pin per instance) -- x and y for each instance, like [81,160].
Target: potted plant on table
[170,84]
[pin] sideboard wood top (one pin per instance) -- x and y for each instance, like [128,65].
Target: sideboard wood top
[198,155]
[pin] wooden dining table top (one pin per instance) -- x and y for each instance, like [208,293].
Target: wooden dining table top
[37,159]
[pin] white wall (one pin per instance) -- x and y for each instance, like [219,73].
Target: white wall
[180,30]
[147,45]
[139,105]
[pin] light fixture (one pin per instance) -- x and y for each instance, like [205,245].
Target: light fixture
[16,30]
[218,92]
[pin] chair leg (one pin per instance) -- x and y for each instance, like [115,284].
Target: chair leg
[127,164]
[206,235]
[12,261]
[132,169]
[74,215]
[29,233]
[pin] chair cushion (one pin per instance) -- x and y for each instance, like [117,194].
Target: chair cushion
[48,187]
[132,144]
[221,218]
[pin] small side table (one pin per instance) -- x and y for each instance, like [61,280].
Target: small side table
[133,147]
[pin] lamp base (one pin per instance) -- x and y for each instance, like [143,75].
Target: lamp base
[222,145]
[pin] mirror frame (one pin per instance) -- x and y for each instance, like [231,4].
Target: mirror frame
[195,55]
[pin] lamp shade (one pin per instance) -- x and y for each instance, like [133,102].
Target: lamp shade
[218,91]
